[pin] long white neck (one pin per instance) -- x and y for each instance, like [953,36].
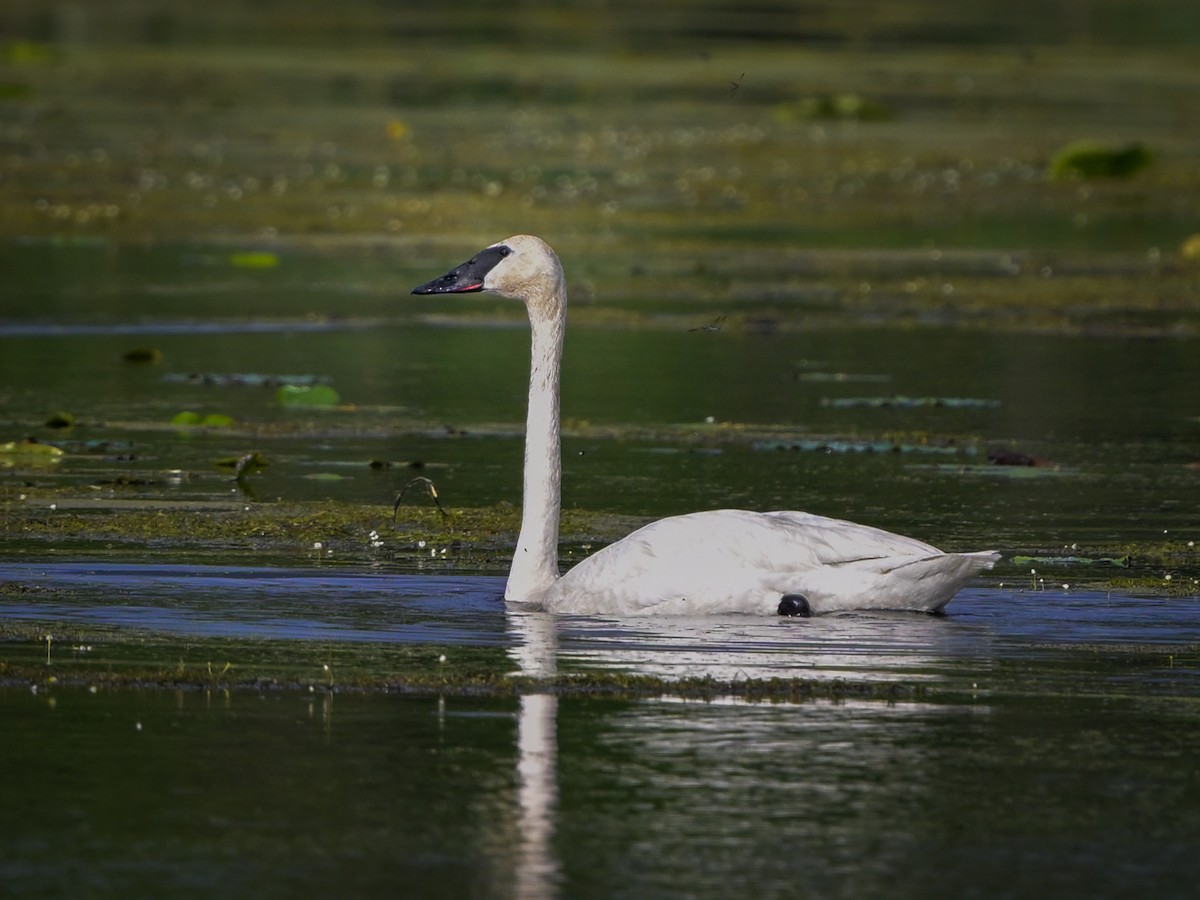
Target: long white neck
[535,561]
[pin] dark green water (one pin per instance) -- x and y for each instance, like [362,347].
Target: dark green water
[139,793]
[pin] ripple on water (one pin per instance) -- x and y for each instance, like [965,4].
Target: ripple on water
[987,628]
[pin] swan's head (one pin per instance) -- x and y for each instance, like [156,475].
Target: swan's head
[522,267]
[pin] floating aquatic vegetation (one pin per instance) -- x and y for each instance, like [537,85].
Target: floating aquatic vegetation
[244,379]
[254,259]
[825,107]
[243,465]
[1086,159]
[29,450]
[842,377]
[429,486]
[828,446]
[307,395]
[1014,473]
[210,420]
[61,420]
[1002,456]
[15,90]
[1190,248]
[902,402]
[1122,561]
[143,355]
[28,53]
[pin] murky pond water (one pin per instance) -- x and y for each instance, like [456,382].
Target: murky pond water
[205,793]
[816,260]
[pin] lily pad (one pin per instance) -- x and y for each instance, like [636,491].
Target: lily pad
[30,449]
[1086,159]
[827,107]
[15,90]
[143,355]
[316,395]
[211,420]
[254,259]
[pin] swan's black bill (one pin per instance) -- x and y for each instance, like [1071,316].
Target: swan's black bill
[469,276]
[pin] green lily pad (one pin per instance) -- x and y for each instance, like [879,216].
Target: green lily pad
[211,420]
[834,107]
[1086,159]
[254,259]
[31,449]
[307,395]
[15,90]
[143,355]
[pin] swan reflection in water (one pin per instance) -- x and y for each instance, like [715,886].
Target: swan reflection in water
[534,649]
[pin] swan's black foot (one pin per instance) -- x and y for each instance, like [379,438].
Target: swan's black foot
[795,605]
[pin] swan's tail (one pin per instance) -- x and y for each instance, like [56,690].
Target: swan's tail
[941,577]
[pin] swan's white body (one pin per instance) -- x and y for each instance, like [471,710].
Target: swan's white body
[720,561]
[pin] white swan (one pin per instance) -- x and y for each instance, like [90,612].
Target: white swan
[720,561]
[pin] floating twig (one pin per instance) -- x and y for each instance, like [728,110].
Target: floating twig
[714,325]
[420,479]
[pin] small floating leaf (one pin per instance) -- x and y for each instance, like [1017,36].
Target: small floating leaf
[307,395]
[254,259]
[31,448]
[28,53]
[146,355]
[61,420]
[211,420]
[15,90]
[846,106]
[1086,159]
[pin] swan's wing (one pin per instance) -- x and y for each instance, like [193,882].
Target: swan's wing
[836,541]
[739,561]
